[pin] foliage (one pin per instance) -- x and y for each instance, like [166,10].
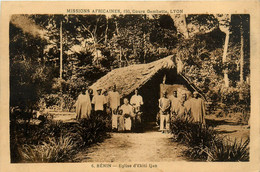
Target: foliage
[236,151]
[205,144]
[244,96]
[29,76]
[54,150]
[92,130]
[55,141]
[203,66]
[56,101]
[230,95]
[95,44]
[237,100]
[194,135]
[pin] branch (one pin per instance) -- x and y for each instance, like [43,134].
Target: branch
[88,31]
[201,51]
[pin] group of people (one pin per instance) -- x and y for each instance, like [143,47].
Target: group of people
[123,117]
[173,107]
[128,116]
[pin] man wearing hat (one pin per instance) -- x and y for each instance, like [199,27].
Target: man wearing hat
[164,106]
[98,101]
[197,109]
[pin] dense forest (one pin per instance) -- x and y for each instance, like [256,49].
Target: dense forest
[53,56]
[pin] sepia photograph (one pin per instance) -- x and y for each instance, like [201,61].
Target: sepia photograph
[129,87]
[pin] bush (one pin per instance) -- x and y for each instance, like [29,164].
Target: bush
[194,135]
[236,151]
[244,90]
[32,135]
[55,141]
[205,144]
[230,96]
[92,130]
[54,150]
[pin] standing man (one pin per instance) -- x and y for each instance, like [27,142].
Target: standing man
[137,101]
[198,110]
[114,103]
[181,110]
[164,105]
[98,101]
[83,105]
[174,103]
[106,107]
[187,102]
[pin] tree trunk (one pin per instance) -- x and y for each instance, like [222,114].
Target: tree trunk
[180,24]
[224,59]
[61,105]
[144,47]
[120,57]
[241,59]
[61,50]
[242,56]
[106,31]
[186,26]
[224,22]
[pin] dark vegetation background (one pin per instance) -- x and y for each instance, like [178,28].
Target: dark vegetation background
[95,44]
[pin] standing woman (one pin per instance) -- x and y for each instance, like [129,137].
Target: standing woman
[83,105]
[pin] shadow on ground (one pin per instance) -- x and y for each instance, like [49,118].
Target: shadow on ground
[214,122]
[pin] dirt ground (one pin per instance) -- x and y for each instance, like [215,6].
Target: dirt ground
[229,128]
[150,146]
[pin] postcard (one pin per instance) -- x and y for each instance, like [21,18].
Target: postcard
[130,86]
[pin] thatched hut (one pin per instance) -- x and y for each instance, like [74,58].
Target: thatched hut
[147,78]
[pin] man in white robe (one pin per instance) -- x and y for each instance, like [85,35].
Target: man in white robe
[83,105]
[125,122]
[197,108]
[114,103]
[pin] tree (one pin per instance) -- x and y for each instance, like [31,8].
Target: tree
[180,24]
[224,25]
[29,75]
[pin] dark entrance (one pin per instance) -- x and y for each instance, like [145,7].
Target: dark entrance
[150,92]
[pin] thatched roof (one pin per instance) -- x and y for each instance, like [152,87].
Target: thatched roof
[129,78]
